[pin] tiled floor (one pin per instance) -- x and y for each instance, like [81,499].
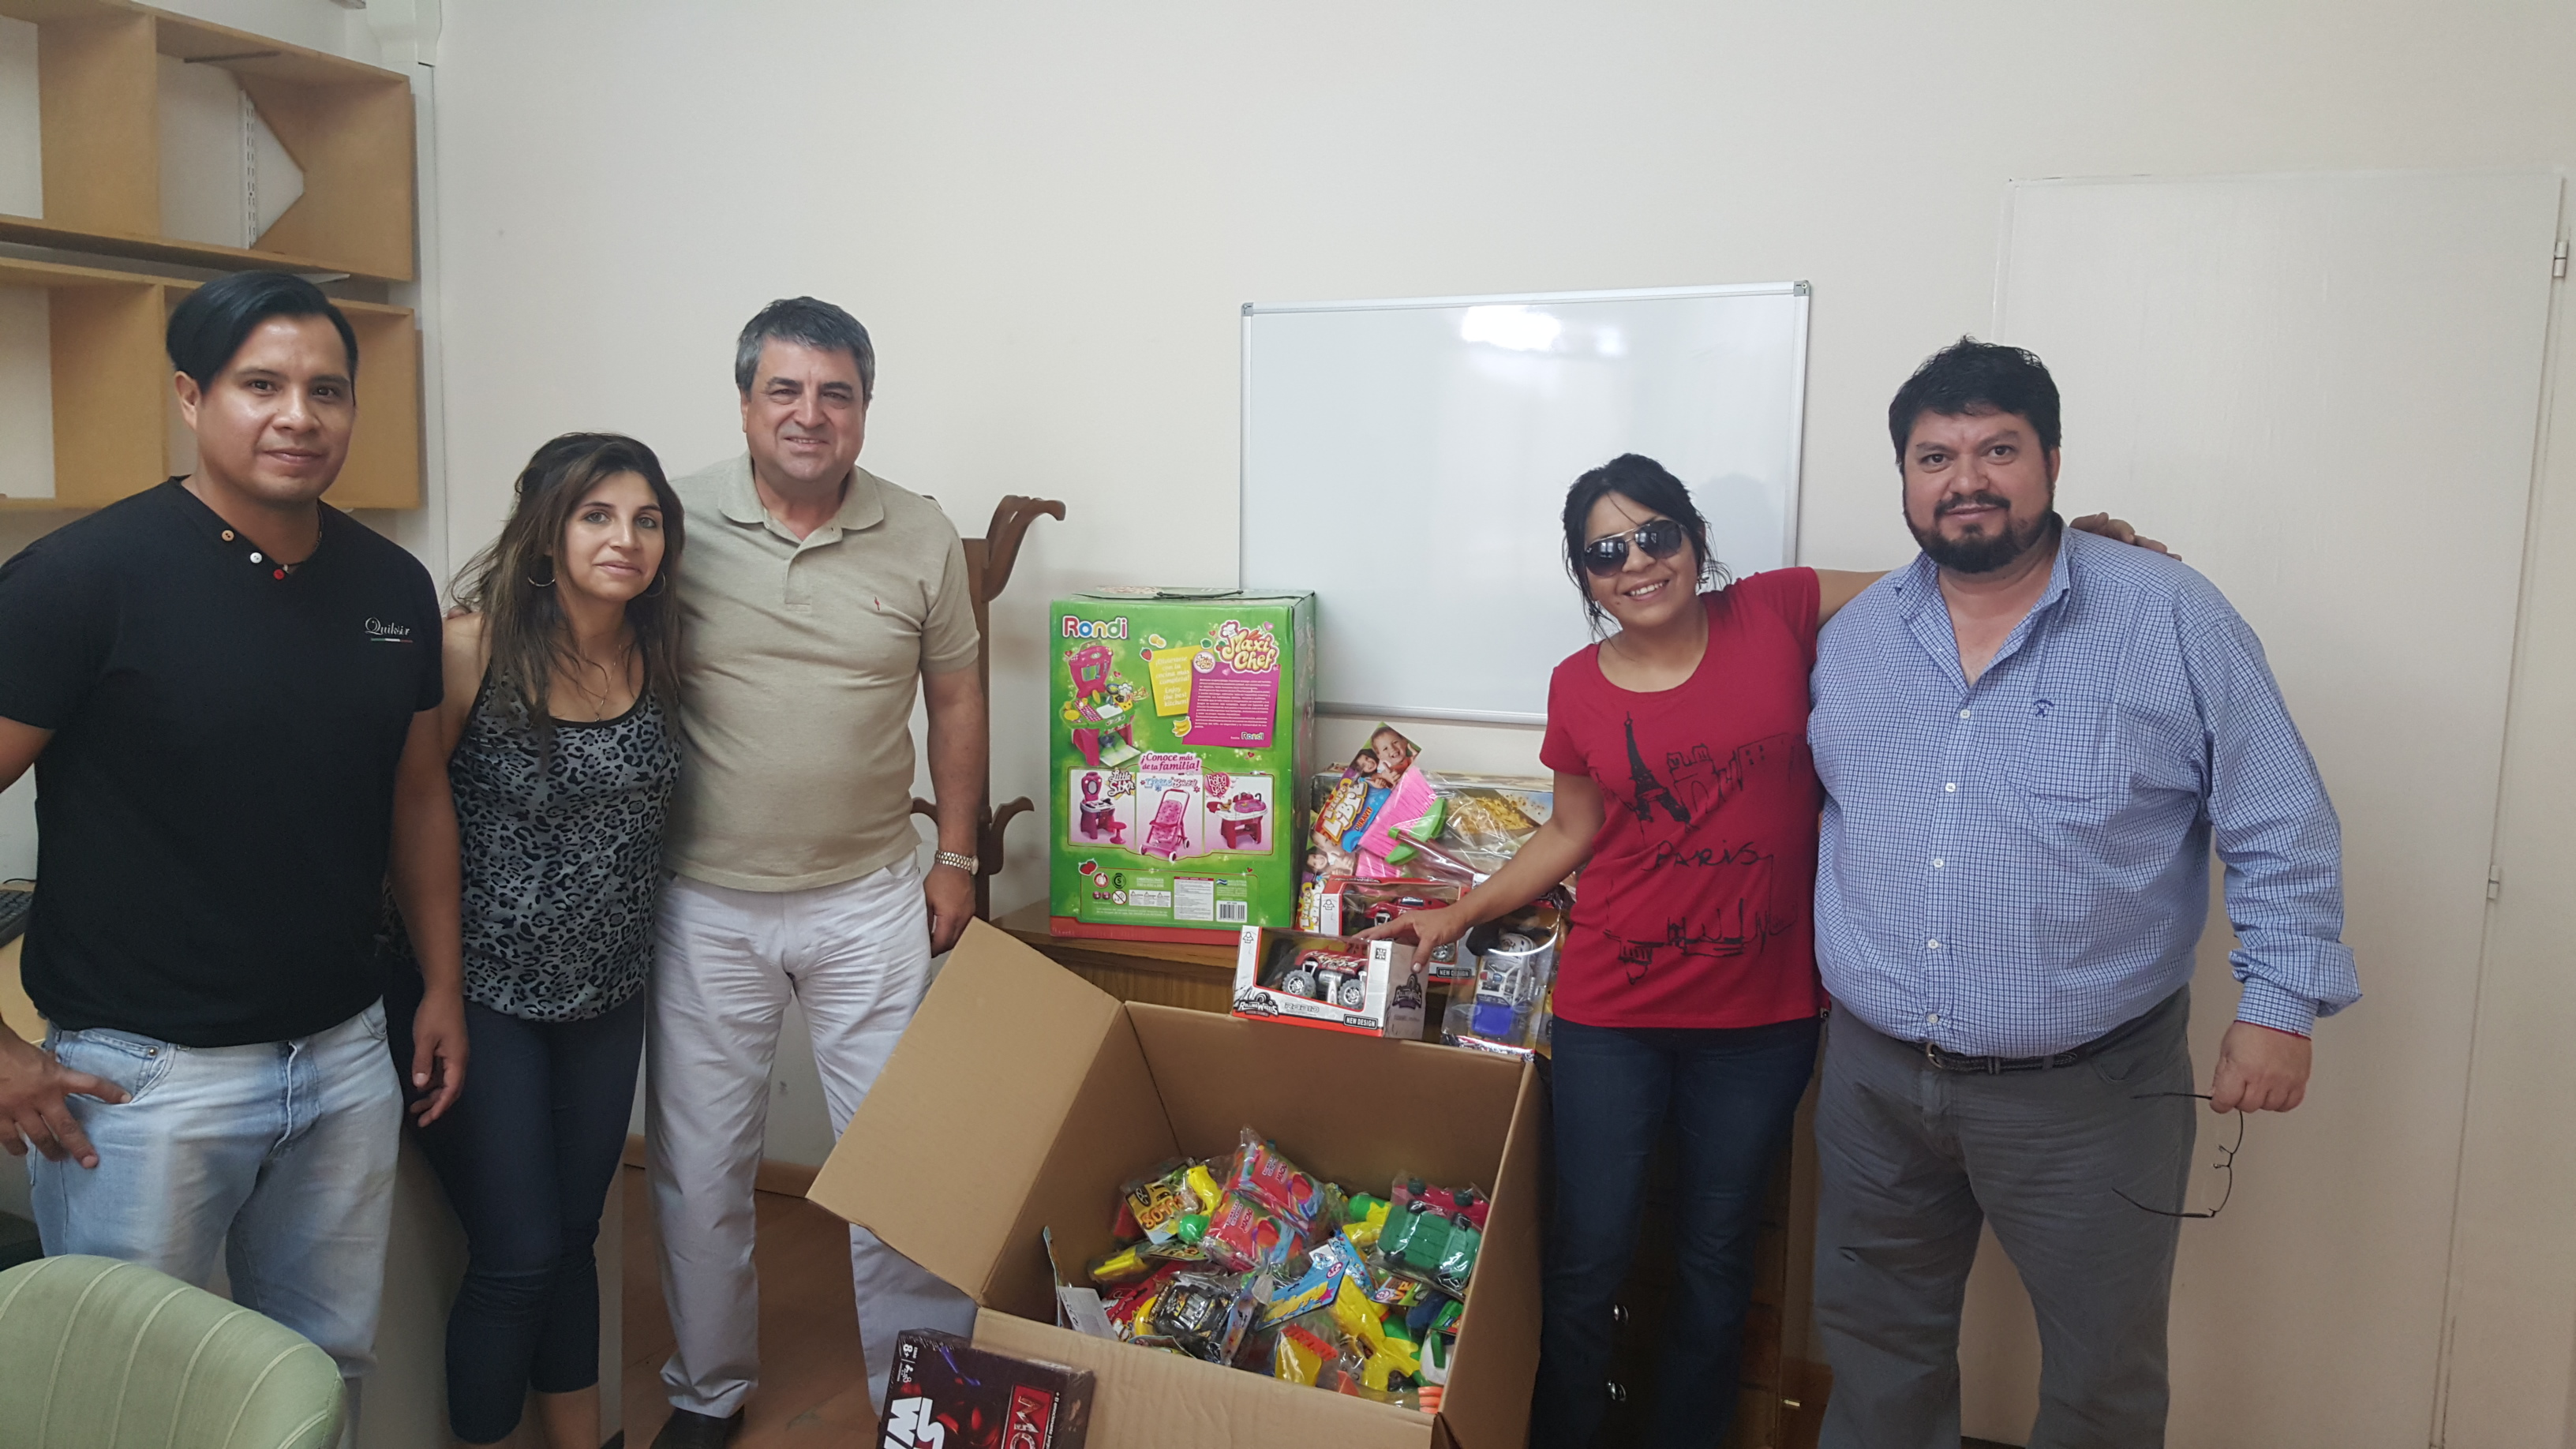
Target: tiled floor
[813,1390]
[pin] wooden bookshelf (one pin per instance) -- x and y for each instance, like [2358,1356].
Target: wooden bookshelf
[113,396]
[347,125]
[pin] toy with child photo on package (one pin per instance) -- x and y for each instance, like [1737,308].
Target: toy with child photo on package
[1180,727]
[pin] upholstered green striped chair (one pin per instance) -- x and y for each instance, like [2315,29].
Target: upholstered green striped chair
[98,1354]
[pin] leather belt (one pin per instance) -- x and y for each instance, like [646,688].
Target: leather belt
[1941,1061]
[1993,1066]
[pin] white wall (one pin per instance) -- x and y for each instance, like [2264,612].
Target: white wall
[1049,216]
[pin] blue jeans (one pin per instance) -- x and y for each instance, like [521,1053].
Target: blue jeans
[281,1154]
[1729,1095]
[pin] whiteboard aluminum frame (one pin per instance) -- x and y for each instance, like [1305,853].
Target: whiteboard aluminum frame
[1803,294]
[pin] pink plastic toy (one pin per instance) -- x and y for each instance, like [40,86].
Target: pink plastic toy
[1166,836]
[1099,817]
[1105,734]
[1239,819]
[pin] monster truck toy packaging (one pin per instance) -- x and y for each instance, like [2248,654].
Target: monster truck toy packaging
[945,1393]
[1371,988]
[1182,725]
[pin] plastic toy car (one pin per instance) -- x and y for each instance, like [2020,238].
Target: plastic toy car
[1325,976]
[1423,1242]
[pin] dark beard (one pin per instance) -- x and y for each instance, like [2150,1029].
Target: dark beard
[1988,552]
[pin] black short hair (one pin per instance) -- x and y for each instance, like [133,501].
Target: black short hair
[208,327]
[1640,479]
[1969,376]
[816,324]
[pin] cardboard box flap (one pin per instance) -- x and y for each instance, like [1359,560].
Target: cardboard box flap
[1000,1050]
[1488,1402]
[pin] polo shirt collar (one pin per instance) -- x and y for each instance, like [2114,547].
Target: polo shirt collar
[862,503]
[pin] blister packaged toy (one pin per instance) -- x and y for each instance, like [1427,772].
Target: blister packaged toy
[1207,1314]
[1514,967]
[1432,1235]
[1363,1218]
[1375,1351]
[1348,905]
[1332,1260]
[1182,720]
[1243,1235]
[1263,1173]
[1172,1204]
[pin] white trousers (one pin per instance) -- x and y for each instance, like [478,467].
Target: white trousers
[856,958]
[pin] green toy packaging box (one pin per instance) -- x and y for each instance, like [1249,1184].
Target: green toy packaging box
[1182,725]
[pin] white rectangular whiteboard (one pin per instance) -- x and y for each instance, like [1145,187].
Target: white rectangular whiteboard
[1408,460]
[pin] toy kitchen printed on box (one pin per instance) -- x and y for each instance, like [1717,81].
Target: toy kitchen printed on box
[1182,724]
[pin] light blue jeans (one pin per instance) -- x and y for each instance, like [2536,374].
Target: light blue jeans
[280,1154]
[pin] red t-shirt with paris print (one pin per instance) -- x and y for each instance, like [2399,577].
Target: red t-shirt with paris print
[1697,908]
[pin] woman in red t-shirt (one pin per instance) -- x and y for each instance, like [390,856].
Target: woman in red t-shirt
[1687,995]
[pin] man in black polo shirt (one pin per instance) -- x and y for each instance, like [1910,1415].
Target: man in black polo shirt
[229,692]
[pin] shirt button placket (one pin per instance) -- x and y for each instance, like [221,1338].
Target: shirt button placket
[1954,763]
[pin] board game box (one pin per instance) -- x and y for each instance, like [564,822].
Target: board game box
[945,1393]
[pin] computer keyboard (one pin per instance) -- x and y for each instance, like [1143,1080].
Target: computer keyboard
[15,902]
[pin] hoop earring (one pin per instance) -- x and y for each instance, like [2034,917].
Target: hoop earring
[548,581]
[661,586]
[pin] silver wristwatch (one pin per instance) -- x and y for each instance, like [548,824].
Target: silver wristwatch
[966,863]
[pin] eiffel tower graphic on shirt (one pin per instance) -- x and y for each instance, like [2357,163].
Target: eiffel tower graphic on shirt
[1650,790]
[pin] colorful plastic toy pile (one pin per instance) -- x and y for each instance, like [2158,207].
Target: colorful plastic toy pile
[1252,1262]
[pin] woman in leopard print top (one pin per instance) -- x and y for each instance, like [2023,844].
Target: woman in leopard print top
[562,763]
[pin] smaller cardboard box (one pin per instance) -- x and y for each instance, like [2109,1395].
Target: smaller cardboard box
[945,1393]
[1022,1097]
[1372,988]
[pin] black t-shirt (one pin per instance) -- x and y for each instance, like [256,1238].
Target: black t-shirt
[216,805]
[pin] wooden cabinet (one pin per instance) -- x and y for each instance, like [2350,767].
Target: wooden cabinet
[113,411]
[1644,1305]
[128,99]
[100,86]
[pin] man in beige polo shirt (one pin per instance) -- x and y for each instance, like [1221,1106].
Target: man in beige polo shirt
[820,599]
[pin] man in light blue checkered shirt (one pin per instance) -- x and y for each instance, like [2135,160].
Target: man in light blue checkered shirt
[2031,739]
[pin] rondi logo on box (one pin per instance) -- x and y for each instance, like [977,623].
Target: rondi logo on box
[1095,628]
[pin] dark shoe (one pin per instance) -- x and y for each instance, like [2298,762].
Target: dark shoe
[691,1430]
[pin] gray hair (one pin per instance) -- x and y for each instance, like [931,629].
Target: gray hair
[813,323]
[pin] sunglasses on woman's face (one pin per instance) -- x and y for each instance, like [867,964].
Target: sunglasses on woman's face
[1659,539]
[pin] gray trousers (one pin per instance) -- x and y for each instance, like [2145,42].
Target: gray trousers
[1912,1160]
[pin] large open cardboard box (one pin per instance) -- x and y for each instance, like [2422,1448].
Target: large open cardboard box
[1022,1097]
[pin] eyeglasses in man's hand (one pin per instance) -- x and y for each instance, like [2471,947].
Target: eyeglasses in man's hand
[2226,1162]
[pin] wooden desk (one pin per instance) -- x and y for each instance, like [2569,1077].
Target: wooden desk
[1200,977]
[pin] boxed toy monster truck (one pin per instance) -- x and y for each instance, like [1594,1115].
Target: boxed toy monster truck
[1182,722]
